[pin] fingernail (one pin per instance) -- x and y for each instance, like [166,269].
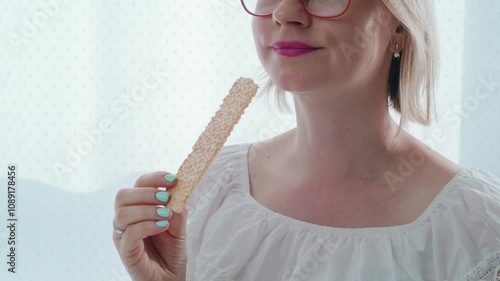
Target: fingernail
[164,212]
[169,177]
[162,196]
[161,223]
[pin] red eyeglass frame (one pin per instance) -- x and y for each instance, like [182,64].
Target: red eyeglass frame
[305,8]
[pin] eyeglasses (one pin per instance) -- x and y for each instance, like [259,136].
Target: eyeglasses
[317,8]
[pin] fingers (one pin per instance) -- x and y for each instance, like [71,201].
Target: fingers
[129,215]
[177,226]
[131,196]
[157,179]
[130,242]
[141,196]
[140,212]
[144,196]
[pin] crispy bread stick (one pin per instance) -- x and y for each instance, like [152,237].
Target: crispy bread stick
[211,141]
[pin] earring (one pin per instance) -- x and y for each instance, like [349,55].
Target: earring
[394,78]
[396,54]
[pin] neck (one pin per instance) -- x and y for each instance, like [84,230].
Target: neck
[347,142]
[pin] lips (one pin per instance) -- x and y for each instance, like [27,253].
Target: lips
[292,48]
[291,45]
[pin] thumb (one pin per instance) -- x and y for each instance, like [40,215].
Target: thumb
[177,224]
[171,243]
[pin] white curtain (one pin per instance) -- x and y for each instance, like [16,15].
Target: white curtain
[96,93]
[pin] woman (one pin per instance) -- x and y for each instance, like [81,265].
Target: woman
[347,194]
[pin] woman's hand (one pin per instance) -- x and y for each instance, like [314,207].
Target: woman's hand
[150,252]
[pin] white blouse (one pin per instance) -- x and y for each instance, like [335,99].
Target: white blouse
[231,236]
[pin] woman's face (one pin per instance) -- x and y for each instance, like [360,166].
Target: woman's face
[350,51]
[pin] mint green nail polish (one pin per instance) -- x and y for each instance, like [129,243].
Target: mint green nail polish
[169,177]
[162,196]
[161,223]
[164,212]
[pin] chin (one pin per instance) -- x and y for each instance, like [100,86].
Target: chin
[295,83]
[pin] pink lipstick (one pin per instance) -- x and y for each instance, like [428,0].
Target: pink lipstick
[292,48]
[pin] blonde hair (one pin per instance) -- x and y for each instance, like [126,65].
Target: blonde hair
[418,67]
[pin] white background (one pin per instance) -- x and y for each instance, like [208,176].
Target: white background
[80,124]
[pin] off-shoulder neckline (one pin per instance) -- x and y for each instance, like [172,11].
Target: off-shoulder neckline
[330,230]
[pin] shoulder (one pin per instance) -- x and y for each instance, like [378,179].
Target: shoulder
[479,189]
[478,177]
[229,159]
[225,166]
[476,196]
[231,153]
[476,193]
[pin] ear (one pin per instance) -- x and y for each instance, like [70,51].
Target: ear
[399,36]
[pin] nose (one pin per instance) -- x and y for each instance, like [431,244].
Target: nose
[291,13]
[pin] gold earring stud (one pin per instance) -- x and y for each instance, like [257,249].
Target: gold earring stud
[396,54]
